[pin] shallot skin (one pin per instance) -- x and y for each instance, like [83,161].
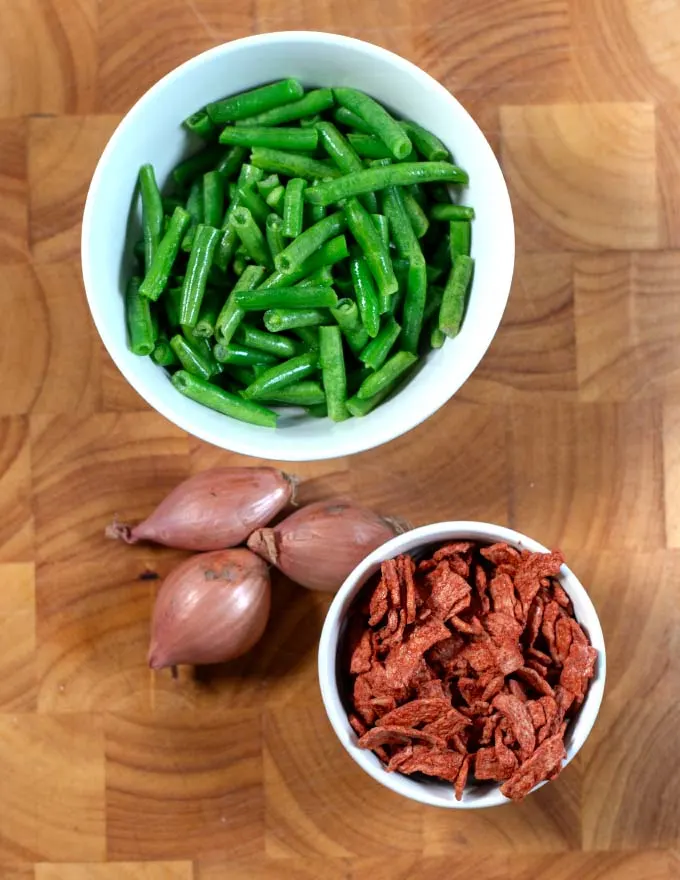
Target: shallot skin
[215,509]
[320,544]
[211,608]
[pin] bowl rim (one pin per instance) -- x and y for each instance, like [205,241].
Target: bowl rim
[328,646]
[382,430]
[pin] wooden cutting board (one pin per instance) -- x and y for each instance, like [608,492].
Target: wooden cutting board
[568,431]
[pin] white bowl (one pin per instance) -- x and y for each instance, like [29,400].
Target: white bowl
[436,793]
[152,132]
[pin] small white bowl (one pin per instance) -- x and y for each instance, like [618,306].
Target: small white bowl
[152,132]
[436,793]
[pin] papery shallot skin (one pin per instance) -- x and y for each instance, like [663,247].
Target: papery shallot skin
[213,510]
[320,544]
[211,608]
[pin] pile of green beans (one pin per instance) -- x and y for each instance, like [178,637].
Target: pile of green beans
[307,254]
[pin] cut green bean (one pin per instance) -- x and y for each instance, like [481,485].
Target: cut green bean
[255,101]
[281,346]
[372,179]
[192,357]
[163,355]
[281,375]
[309,337]
[242,355]
[437,338]
[383,227]
[429,146]
[321,277]
[276,320]
[156,278]
[313,102]
[345,117]
[309,242]
[287,298]
[401,230]
[201,124]
[310,121]
[382,124]
[231,162]
[239,265]
[141,336]
[433,302]
[213,199]
[276,198]
[455,295]
[291,164]
[366,296]
[369,147]
[231,315]
[195,209]
[249,173]
[375,253]
[452,212]
[418,217]
[359,408]
[251,236]
[200,261]
[274,234]
[386,375]
[207,318]
[305,393]
[313,213]
[414,304]
[228,404]
[459,239]
[242,375]
[343,155]
[332,363]
[302,139]
[267,185]
[317,412]
[346,313]
[172,299]
[248,198]
[152,213]
[293,205]
[375,353]
[333,251]
[189,169]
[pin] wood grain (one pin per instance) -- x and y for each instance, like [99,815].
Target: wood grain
[569,430]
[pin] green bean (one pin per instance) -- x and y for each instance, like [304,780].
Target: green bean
[381,224]
[414,304]
[170,203]
[281,375]
[372,179]
[333,251]
[242,355]
[293,205]
[375,253]
[345,117]
[228,404]
[189,169]
[321,277]
[418,217]
[249,173]
[433,302]
[274,234]
[455,295]
[195,208]
[281,346]
[242,375]
[302,139]
[156,278]
[401,230]
[248,198]
[141,336]
[332,363]
[369,147]
[310,121]
[359,408]
[231,162]
[366,296]
[163,355]
[152,213]
[255,101]
[459,239]
[276,320]
[276,198]
[439,192]
[267,185]
[452,212]
[343,155]
[376,117]
[346,313]
[308,242]
[201,124]
[386,375]
[429,146]
[172,299]
[315,101]
[313,213]
[418,194]
[232,315]
[196,276]
[291,164]
[317,412]
[287,298]
[304,393]
[192,358]
[251,236]
[239,265]
[437,338]
[207,317]
[375,353]
[309,337]
[213,199]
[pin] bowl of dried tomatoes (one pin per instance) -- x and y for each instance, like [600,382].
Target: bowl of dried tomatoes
[462,665]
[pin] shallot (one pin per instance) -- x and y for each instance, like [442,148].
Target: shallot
[319,545]
[212,510]
[213,607]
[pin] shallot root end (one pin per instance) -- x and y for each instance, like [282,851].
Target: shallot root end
[118,531]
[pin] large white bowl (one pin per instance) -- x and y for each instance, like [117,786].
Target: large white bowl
[435,793]
[152,132]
